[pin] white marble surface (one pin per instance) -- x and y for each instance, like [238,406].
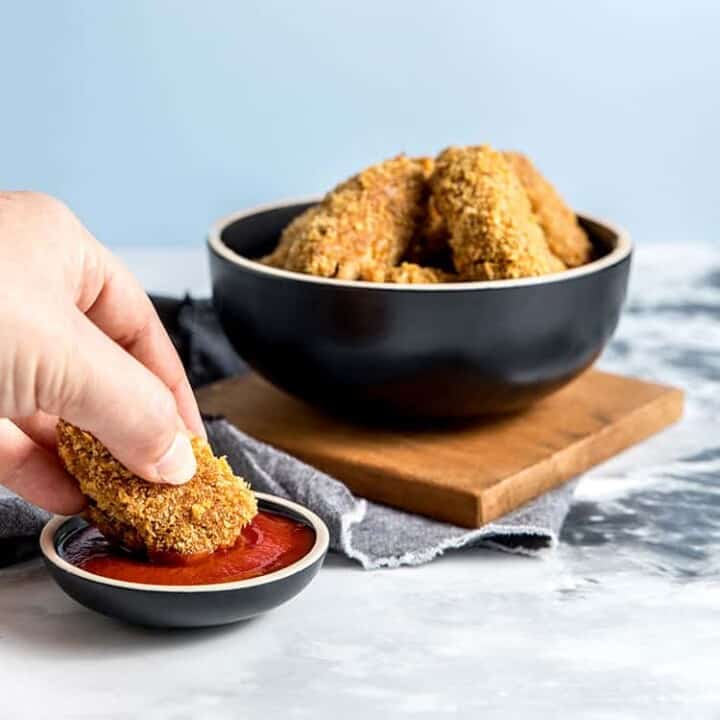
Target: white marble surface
[621,621]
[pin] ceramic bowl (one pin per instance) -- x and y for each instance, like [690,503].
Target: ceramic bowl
[383,350]
[185,605]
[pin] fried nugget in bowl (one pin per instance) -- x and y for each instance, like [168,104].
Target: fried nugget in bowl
[565,238]
[170,523]
[362,227]
[494,233]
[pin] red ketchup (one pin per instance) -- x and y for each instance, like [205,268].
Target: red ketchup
[270,542]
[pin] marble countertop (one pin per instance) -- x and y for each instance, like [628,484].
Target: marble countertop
[620,621]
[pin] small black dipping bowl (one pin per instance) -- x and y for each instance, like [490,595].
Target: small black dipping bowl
[185,605]
[412,351]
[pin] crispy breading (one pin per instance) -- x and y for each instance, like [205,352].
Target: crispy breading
[413,274]
[493,231]
[565,238]
[360,228]
[165,521]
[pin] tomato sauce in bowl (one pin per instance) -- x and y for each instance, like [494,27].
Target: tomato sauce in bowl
[269,543]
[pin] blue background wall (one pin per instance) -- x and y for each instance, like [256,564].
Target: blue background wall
[154,118]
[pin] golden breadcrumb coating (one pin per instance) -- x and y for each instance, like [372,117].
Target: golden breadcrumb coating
[565,238]
[493,231]
[165,521]
[412,273]
[360,228]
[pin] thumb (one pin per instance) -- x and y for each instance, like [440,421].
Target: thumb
[128,409]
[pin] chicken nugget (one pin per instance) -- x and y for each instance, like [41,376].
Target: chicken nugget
[360,228]
[565,238]
[493,231]
[167,522]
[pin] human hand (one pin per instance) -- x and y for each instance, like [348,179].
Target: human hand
[80,339]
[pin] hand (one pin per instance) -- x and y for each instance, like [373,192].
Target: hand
[80,339]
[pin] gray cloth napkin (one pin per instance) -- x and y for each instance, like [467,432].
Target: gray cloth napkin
[20,524]
[371,534]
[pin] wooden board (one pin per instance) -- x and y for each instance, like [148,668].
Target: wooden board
[467,476]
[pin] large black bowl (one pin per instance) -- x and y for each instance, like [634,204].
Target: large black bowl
[449,350]
[185,605]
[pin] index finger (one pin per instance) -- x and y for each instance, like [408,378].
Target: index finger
[123,311]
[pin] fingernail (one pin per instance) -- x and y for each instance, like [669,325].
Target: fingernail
[178,464]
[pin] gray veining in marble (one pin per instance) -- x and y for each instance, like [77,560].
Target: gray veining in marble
[621,621]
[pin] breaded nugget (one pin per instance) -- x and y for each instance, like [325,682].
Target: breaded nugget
[493,231]
[165,521]
[565,238]
[413,274]
[360,228]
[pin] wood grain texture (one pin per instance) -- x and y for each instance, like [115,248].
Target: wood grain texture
[467,475]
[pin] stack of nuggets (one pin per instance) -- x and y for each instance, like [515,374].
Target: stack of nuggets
[471,214]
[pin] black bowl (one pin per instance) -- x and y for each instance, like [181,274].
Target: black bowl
[415,351]
[185,605]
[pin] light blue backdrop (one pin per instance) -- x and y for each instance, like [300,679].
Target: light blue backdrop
[153,118]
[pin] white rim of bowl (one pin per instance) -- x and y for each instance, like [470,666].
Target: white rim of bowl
[322,540]
[622,249]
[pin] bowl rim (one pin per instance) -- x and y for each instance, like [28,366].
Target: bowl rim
[623,249]
[319,548]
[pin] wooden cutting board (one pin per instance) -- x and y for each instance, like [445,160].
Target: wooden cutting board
[468,475]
